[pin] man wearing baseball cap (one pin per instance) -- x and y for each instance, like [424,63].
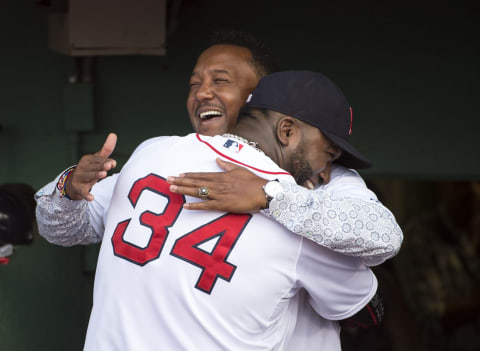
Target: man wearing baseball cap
[316,101]
[157,275]
[312,98]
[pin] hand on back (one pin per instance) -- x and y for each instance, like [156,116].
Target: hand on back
[236,190]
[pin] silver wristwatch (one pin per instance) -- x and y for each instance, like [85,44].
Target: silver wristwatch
[271,189]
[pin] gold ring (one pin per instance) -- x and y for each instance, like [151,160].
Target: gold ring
[203,192]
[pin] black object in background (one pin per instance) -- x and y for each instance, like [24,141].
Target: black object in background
[17,213]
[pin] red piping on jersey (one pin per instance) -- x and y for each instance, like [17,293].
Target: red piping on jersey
[240,163]
[372,315]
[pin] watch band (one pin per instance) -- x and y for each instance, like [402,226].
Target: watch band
[271,188]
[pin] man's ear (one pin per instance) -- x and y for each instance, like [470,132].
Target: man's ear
[335,151]
[288,131]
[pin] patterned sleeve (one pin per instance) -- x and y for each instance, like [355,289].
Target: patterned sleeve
[345,217]
[70,222]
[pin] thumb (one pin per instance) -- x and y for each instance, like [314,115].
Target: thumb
[226,166]
[109,145]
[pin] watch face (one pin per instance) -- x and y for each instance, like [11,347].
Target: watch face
[272,188]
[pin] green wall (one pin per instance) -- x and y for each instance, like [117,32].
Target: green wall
[408,70]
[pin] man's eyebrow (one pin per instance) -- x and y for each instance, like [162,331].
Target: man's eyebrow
[217,71]
[223,71]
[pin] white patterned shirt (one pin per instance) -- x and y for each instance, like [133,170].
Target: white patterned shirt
[343,215]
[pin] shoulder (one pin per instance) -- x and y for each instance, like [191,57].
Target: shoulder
[149,142]
[163,141]
[343,174]
[347,182]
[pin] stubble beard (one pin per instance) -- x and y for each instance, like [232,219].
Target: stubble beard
[298,166]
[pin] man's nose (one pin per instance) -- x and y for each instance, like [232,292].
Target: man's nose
[204,91]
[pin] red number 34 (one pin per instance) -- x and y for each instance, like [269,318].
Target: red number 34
[226,229]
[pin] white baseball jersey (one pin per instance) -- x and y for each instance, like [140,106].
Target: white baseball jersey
[174,279]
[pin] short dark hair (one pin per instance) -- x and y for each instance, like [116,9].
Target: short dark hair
[263,61]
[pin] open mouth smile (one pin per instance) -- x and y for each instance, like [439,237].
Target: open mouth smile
[209,114]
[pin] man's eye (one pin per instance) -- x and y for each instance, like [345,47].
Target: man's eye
[221,80]
[192,84]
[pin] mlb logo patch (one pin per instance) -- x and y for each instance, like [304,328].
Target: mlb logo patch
[233,145]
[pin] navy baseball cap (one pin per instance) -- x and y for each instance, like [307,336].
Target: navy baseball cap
[312,98]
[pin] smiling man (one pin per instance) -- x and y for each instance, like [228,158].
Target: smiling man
[224,75]
[219,86]
[218,91]
[183,280]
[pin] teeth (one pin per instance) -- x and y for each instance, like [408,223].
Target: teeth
[208,114]
[309,185]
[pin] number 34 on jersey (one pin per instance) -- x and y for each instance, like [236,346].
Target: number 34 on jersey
[225,229]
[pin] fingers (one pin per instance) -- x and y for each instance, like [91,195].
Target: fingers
[226,166]
[85,195]
[193,191]
[209,205]
[90,177]
[212,176]
[237,190]
[191,180]
[187,190]
[108,146]
[78,189]
[95,163]
[90,169]
[79,185]
[200,179]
